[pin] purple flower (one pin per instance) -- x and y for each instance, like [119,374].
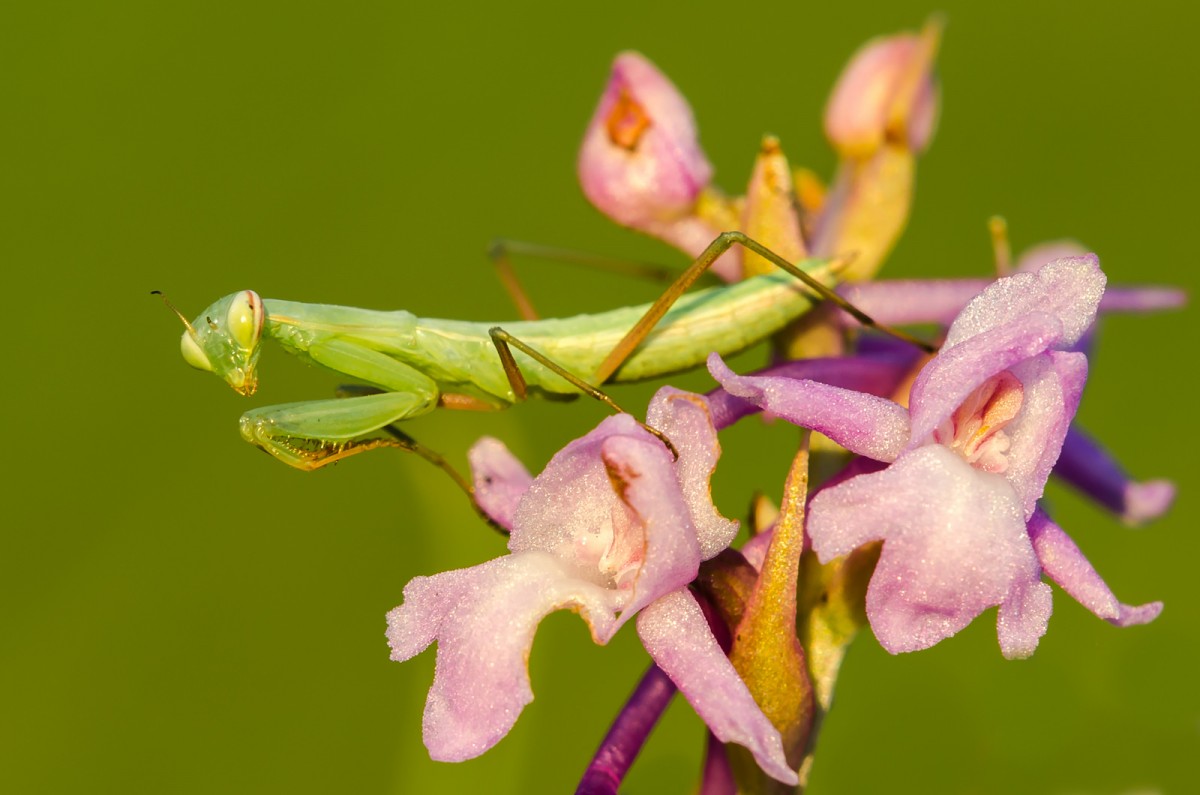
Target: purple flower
[957,506]
[613,527]
[1083,463]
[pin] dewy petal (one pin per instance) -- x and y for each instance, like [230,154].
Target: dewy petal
[1052,384]
[1024,614]
[483,619]
[500,480]
[864,424]
[1068,289]
[641,162]
[876,374]
[676,634]
[686,420]
[642,474]
[946,381]
[573,498]
[954,543]
[897,302]
[1036,256]
[1090,468]
[1064,563]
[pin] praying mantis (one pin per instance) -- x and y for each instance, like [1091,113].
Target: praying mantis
[412,365]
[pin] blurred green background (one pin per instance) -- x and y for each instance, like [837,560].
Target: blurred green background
[186,615]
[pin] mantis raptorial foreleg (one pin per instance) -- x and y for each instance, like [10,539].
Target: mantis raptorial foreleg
[314,433]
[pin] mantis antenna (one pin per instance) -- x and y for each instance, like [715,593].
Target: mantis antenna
[178,314]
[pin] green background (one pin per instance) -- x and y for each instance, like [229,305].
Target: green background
[184,614]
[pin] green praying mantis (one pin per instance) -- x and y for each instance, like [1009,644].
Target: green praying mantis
[411,365]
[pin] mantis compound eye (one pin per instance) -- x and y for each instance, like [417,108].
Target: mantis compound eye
[192,352]
[245,319]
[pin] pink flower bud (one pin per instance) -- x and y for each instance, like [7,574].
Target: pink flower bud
[641,163]
[887,92]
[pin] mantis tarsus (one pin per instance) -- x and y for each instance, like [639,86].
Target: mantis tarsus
[416,364]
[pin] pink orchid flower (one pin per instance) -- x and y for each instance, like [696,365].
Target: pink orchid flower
[614,526]
[956,507]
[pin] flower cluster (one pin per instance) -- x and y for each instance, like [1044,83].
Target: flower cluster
[934,517]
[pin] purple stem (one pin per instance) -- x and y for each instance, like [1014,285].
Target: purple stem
[628,734]
[718,775]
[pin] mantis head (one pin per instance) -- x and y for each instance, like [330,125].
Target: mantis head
[224,339]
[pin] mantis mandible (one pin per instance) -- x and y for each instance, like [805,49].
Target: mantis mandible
[413,365]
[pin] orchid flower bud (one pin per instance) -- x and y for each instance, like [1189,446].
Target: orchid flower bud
[770,215]
[887,92]
[641,163]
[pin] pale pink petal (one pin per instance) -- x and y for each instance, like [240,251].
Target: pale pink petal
[676,634]
[1148,500]
[951,376]
[685,419]
[1069,289]
[876,374]
[483,619]
[641,160]
[1066,565]
[864,424]
[898,302]
[954,543]
[573,498]
[1036,256]
[857,116]
[1024,614]
[500,480]
[1123,298]
[1052,383]
[641,471]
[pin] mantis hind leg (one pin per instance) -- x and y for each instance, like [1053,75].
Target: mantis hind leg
[625,348]
[501,250]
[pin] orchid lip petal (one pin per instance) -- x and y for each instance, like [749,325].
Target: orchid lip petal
[953,537]
[475,698]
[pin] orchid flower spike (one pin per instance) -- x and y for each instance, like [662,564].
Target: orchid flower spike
[956,507]
[614,527]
